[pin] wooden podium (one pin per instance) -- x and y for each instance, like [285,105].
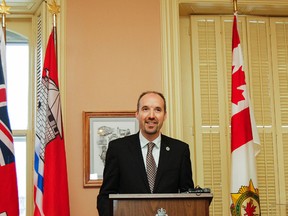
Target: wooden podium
[179,204]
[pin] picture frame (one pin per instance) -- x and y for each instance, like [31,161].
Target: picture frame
[99,128]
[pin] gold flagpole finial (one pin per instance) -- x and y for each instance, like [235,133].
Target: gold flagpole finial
[54,9]
[4,9]
[235,6]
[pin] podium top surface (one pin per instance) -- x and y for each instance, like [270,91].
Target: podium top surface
[163,196]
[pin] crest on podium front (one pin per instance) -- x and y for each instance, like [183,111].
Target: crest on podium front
[161,212]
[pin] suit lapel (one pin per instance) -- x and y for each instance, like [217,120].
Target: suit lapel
[136,152]
[163,159]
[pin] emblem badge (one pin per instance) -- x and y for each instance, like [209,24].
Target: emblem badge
[161,212]
[246,201]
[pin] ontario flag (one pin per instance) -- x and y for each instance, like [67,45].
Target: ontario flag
[51,197]
[244,137]
[9,204]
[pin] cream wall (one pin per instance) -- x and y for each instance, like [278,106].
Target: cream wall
[113,53]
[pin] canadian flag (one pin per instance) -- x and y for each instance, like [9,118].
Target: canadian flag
[244,188]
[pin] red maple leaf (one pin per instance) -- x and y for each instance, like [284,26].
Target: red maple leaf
[238,79]
[250,208]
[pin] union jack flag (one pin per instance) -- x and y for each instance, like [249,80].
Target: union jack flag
[8,185]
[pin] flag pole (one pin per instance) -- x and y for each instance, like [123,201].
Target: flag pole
[54,9]
[4,9]
[235,6]
[55,34]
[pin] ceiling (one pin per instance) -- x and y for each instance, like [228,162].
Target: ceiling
[187,7]
[244,7]
[23,6]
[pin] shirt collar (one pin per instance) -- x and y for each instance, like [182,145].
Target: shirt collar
[144,141]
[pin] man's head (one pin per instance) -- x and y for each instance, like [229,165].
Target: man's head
[151,113]
[151,92]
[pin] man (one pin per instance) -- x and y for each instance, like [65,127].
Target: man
[126,158]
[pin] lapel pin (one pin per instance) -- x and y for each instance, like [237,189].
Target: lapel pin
[167,148]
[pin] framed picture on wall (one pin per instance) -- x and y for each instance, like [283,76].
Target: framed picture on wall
[99,128]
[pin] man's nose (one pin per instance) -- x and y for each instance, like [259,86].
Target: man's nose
[151,114]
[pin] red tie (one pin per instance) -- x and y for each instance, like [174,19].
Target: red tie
[150,166]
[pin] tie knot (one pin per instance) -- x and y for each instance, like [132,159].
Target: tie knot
[150,146]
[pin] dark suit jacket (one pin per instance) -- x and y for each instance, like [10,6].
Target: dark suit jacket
[125,172]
